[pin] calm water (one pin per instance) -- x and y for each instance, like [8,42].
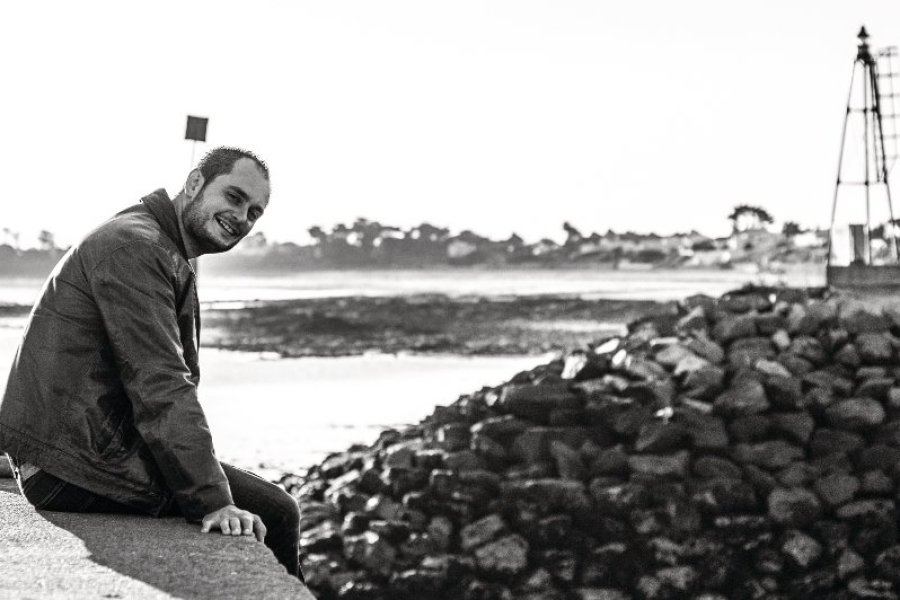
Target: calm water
[289,413]
[645,285]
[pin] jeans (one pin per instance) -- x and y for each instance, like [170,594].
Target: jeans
[277,509]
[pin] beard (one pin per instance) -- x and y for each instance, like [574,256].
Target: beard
[203,229]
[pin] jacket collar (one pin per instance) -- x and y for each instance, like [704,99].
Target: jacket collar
[161,207]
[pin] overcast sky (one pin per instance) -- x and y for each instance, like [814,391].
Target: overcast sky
[497,116]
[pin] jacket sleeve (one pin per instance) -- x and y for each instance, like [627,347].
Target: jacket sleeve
[135,290]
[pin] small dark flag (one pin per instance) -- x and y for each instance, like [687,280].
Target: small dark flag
[196,129]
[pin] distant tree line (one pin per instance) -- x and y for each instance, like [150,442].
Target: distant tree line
[367,243]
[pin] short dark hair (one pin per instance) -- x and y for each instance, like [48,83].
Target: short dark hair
[220,161]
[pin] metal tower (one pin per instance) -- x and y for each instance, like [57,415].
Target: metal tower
[855,256]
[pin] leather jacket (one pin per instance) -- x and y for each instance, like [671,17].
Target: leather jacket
[103,389]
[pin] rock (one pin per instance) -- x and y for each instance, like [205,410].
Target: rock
[854,511]
[726,496]
[849,563]
[535,402]
[506,556]
[568,461]
[553,494]
[874,348]
[704,347]
[749,428]
[574,364]
[479,590]
[770,476]
[714,467]
[888,564]
[464,459]
[417,583]
[809,348]
[672,354]
[361,590]
[871,590]
[771,455]
[837,488]
[562,564]
[610,461]
[481,532]
[533,445]
[784,392]
[440,531]
[781,339]
[797,426]
[453,437]
[746,398]
[679,579]
[856,414]
[878,456]
[863,321]
[399,455]
[808,320]
[385,508]
[704,383]
[795,364]
[734,327]
[658,437]
[747,352]
[694,320]
[691,363]
[600,594]
[770,323]
[876,387]
[794,507]
[323,537]
[798,474]
[848,356]
[771,368]
[662,466]
[705,431]
[876,482]
[831,441]
[492,452]
[371,551]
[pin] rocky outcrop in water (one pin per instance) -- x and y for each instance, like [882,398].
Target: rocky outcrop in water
[745,447]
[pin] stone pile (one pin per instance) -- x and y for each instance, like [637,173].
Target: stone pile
[741,447]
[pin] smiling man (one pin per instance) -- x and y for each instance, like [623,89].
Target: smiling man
[101,411]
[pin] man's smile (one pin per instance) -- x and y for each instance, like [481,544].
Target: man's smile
[224,225]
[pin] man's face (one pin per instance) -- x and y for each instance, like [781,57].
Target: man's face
[227,207]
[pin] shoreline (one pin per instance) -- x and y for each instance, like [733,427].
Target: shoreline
[427,324]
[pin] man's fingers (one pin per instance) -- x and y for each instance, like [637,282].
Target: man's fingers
[247,522]
[235,525]
[225,527]
[260,528]
[207,524]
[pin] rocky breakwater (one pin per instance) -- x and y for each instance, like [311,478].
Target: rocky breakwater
[741,447]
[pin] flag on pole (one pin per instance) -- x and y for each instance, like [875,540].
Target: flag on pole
[196,128]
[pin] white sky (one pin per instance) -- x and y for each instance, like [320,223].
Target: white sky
[498,116]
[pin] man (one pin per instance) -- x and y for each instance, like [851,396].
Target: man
[100,412]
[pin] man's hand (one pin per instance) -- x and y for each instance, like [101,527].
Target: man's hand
[231,520]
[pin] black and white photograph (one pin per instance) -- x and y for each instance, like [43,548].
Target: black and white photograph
[473,300]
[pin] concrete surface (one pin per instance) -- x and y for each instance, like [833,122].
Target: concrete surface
[72,556]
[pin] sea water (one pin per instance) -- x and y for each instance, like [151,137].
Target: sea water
[287,414]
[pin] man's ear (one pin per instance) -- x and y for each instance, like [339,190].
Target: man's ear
[194,183]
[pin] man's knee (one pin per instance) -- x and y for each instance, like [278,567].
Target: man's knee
[291,511]
[287,509]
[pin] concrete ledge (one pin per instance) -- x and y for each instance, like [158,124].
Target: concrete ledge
[63,555]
